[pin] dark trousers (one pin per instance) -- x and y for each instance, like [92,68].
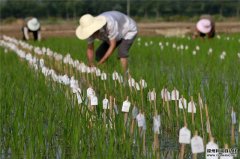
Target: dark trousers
[123,48]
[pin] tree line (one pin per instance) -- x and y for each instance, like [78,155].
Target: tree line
[68,9]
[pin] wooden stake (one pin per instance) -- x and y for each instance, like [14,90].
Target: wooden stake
[144,142]
[90,108]
[155,100]
[200,108]
[132,126]
[111,107]
[184,114]
[111,120]
[141,95]
[115,82]
[125,116]
[87,77]
[226,146]
[156,142]
[163,98]
[130,86]
[195,154]
[208,121]
[104,113]
[121,90]
[113,111]
[91,79]
[192,102]
[232,132]
[166,97]
[182,149]
[176,107]
[104,83]
[140,128]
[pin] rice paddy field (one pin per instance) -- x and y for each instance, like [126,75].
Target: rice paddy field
[54,106]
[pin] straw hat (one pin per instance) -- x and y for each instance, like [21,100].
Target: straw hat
[204,26]
[33,24]
[89,25]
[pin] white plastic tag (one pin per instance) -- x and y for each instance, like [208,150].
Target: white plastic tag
[163,92]
[175,95]
[197,144]
[143,83]
[152,96]
[134,112]
[191,107]
[137,86]
[116,109]
[88,69]
[156,124]
[182,103]
[115,76]
[126,106]
[90,92]
[144,124]
[94,100]
[105,104]
[120,79]
[92,69]
[79,98]
[131,82]
[98,73]
[140,120]
[233,115]
[84,69]
[103,76]
[211,150]
[184,136]
[165,95]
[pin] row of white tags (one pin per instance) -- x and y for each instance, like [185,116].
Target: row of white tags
[197,145]
[75,63]
[126,104]
[140,117]
[131,82]
[165,94]
[196,142]
[182,102]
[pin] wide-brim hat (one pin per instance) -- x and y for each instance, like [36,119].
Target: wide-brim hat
[89,25]
[204,26]
[33,24]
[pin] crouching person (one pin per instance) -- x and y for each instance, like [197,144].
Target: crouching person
[205,27]
[31,25]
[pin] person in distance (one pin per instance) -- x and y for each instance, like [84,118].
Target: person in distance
[205,27]
[31,25]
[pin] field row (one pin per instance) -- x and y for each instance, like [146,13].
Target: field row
[165,112]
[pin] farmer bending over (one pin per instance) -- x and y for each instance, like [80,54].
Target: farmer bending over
[31,25]
[205,27]
[115,29]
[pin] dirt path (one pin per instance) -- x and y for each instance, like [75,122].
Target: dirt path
[158,28]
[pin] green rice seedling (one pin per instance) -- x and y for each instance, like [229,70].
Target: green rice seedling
[64,128]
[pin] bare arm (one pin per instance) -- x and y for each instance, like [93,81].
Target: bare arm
[90,54]
[25,32]
[112,46]
[39,35]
